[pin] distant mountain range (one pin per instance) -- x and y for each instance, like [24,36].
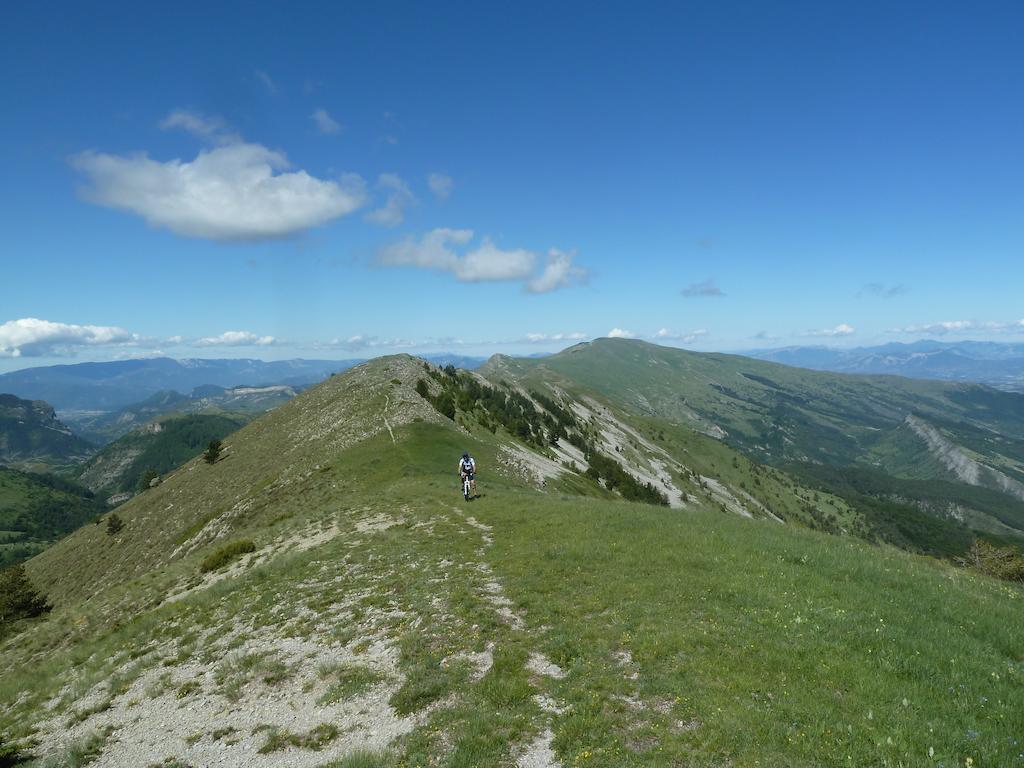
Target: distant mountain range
[466,362]
[1000,365]
[113,385]
[239,402]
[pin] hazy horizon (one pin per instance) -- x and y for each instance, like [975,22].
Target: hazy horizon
[280,353]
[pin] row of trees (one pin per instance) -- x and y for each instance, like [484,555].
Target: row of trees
[506,407]
[617,479]
[491,406]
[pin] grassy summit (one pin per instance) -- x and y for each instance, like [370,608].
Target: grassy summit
[377,619]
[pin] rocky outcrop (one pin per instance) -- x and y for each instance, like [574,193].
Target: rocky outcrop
[30,432]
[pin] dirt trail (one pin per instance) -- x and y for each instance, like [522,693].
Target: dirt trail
[538,753]
[387,404]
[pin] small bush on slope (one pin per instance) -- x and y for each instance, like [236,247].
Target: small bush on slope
[1005,563]
[226,554]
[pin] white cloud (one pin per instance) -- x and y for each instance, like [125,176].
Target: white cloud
[202,126]
[883,290]
[31,337]
[175,340]
[665,334]
[840,330]
[547,338]
[704,289]
[435,250]
[361,341]
[236,339]
[268,83]
[324,122]
[432,251]
[619,333]
[488,262]
[441,185]
[961,326]
[400,197]
[559,272]
[238,191]
[439,249]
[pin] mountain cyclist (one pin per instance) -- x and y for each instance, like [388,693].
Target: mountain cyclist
[467,468]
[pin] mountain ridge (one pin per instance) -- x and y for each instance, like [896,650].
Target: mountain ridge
[323,589]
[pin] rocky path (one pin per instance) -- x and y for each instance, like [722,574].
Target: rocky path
[301,664]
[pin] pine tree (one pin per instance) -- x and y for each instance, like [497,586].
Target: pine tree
[212,452]
[114,524]
[18,598]
[147,479]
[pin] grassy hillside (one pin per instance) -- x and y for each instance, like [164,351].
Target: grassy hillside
[773,410]
[957,433]
[370,617]
[36,510]
[159,447]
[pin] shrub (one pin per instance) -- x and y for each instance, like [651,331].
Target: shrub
[213,452]
[10,755]
[114,524]
[18,598]
[146,481]
[421,388]
[316,739]
[1005,563]
[226,554]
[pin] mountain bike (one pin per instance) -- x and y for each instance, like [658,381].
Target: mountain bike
[467,487]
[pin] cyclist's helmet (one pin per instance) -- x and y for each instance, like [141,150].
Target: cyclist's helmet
[465,454]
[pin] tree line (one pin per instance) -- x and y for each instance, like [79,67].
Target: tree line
[507,408]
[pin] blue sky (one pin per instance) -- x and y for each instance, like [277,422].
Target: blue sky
[338,181]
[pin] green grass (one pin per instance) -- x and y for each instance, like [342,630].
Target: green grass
[83,752]
[315,739]
[363,759]
[687,637]
[237,671]
[226,555]
[786,646]
[347,681]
